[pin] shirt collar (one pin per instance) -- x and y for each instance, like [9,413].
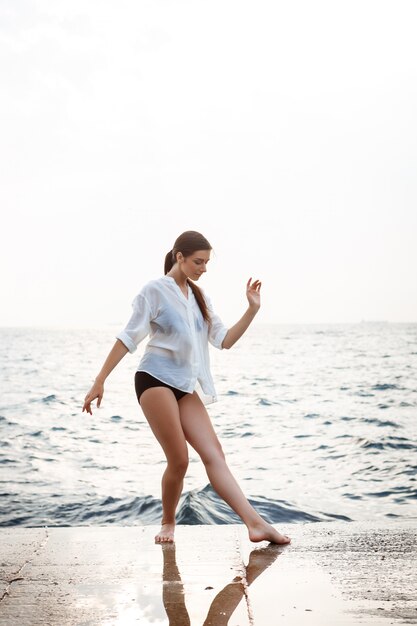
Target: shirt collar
[170,280]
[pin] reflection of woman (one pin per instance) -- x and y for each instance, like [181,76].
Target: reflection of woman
[181,322]
[225,602]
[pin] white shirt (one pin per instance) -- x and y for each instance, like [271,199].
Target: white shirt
[177,352]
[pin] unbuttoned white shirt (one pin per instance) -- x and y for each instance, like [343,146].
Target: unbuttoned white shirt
[177,352]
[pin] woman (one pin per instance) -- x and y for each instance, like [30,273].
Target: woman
[180,321]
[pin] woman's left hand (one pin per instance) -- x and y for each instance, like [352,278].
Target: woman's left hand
[253,293]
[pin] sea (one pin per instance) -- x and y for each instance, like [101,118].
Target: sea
[318,422]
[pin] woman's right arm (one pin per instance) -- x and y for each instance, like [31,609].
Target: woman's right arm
[127,340]
[115,356]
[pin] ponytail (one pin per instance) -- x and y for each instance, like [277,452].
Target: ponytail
[169,261]
[188,243]
[198,294]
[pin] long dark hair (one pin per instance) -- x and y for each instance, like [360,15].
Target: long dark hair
[188,243]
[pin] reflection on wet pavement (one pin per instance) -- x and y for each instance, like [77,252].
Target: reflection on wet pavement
[226,600]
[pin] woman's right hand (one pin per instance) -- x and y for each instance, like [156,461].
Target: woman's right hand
[96,391]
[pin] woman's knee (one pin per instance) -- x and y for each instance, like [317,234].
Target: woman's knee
[213,455]
[178,465]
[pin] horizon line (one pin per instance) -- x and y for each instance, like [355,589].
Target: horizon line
[118,325]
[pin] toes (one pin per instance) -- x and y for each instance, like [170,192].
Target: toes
[164,539]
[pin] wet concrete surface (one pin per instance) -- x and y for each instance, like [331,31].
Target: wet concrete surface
[332,574]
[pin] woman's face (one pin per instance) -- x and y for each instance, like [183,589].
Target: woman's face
[195,265]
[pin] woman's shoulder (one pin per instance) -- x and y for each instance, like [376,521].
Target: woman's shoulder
[153,286]
[148,294]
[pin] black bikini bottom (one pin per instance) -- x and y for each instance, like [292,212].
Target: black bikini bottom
[144,381]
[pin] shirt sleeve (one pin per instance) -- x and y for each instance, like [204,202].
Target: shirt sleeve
[217,330]
[138,326]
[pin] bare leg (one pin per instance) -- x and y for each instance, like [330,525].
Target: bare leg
[200,433]
[173,595]
[160,408]
[226,601]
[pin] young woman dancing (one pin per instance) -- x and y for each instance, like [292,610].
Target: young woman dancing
[181,322]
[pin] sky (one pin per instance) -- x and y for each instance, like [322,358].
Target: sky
[285,132]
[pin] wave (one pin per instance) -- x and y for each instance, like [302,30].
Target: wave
[206,507]
[394,443]
[382,423]
[199,506]
[385,387]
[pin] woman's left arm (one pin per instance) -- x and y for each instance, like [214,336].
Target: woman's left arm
[253,294]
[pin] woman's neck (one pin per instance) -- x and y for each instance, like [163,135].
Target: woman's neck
[180,279]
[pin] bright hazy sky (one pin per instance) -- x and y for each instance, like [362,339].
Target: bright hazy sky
[284,131]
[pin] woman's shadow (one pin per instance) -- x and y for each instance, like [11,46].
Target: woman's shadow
[226,601]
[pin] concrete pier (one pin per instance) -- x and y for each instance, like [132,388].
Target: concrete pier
[332,574]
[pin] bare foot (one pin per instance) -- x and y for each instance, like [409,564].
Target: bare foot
[265,532]
[166,534]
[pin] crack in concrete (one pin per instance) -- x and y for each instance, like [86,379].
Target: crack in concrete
[16,575]
[244,582]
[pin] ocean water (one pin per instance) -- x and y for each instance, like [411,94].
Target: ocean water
[318,422]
